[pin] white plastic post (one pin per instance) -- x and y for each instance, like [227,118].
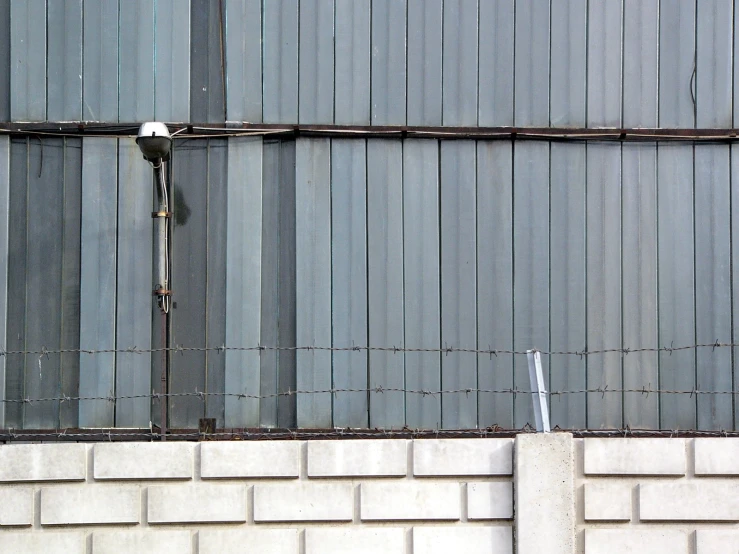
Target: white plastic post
[538,391]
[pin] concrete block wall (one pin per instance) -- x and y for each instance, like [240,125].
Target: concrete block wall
[655,495]
[281,497]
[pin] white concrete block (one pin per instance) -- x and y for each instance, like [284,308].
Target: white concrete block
[43,543]
[700,500]
[357,458]
[43,462]
[470,540]
[713,541]
[303,502]
[248,541]
[197,503]
[142,542]
[16,506]
[606,501]
[409,500]
[86,504]
[634,540]
[354,539]
[228,460]
[490,500]
[716,456]
[143,460]
[437,457]
[544,486]
[613,456]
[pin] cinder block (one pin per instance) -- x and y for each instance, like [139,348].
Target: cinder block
[612,456]
[249,541]
[197,503]
[43,462]
[716,542]
[357,540]
[303,502]
[470,540]
[544,487]
[633,540]
[490,500]
[142,542]
[410,500]
[714,500]
[607,501]
[357,458]
[43,543]
[224,460]
[143,460]
[16,506]
[716,456]
[90,504]
[437,457]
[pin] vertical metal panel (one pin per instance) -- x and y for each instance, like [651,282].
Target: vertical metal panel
[243,45]
[388,72]
[28,60]
[424,62]
[133,286]
[207,73]
[270,286]
[4,258]
[216,258]
[459,282]
[98,279]
[530,266]
[460,62]
[100,56]
[349,278]
[569,50]
[675,254]
[71,277]
[567,282]
[639,284]
[191,181]
[17,262]
[734,268]
[531,63]
[243,280]
[603,268]
[385,280]
[316,62]
[421,281]
[604,63]
[714,70]
[4,60]
[313,278]
[640,58]
[496,48]
[172,60]
[136,98]
[495,280]
[43,280]
[287,376]
[352,60]
[736,72]
[65,61]
[280,59]
[676,63]
[713,284]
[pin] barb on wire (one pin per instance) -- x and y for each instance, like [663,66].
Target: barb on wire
[446,350]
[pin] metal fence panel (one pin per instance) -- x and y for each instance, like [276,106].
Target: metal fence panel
[677,59]
[64,58]
[28,60]
[316,62]
[172,60]
[424,62]
[713,63]
[243,51]
[531,63]
[460,62]
[605,50]
[388,70]
[568,62]
[280,61]
[640,59]
[137,61]
[100,37]
[4,257]
[496,55]
[352,63]
[5,60]
[207,63]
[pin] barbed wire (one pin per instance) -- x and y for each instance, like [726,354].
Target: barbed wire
[492,352]
[202,395]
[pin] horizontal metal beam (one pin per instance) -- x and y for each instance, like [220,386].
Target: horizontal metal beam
[366,131]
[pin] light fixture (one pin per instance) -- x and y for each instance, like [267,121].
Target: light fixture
[154,141]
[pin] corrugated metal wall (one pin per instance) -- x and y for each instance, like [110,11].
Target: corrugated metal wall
[414,244]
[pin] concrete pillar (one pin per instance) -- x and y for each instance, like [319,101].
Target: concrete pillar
[544,493]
